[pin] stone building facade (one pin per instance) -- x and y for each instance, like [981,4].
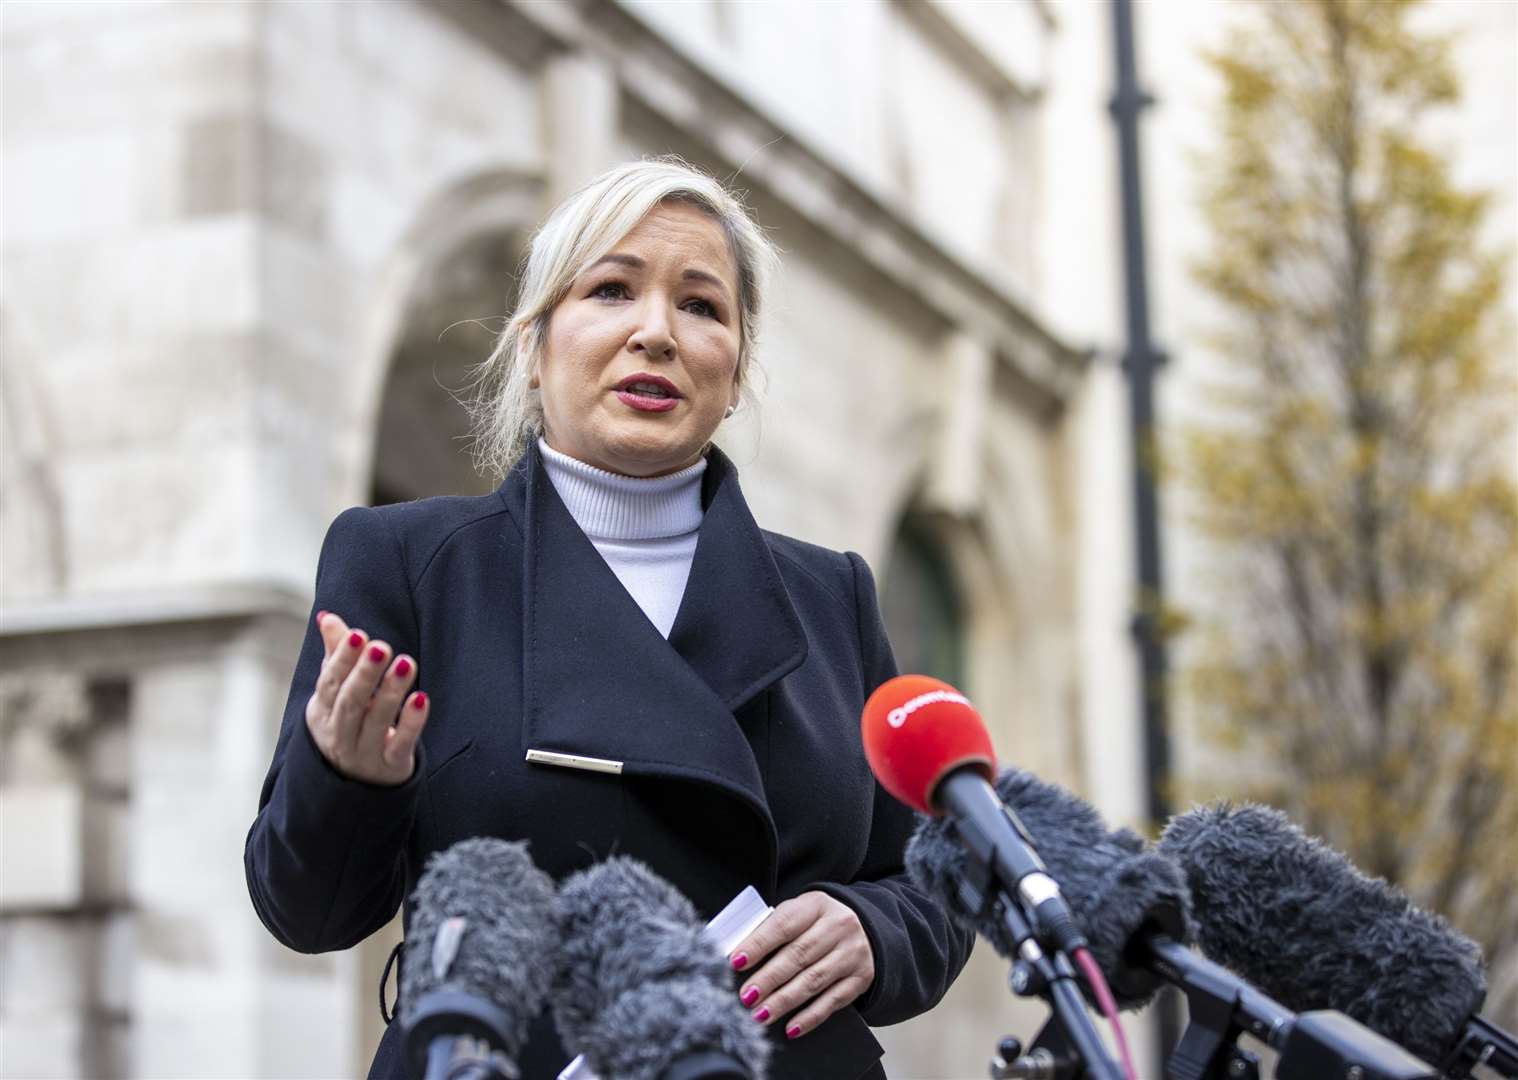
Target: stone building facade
[249,253]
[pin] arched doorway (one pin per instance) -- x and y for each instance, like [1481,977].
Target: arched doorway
[922,604]
[459,305]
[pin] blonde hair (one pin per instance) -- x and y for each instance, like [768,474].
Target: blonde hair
[507,414]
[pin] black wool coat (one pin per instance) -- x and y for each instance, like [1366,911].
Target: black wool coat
[739,738]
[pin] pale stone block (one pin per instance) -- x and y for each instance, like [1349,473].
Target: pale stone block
[69,186]
[306,291]
[433,44]
[175,516]
[367,220]
[41,850]
[191,857]
[51,1048]
[174,722]
[47,961]
[165,380]
[203,280]
[296,187]
[220,163]
[122,64]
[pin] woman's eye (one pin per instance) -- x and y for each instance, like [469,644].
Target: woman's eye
[610,290]
[702,307]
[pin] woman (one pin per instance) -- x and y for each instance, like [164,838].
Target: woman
[612,600]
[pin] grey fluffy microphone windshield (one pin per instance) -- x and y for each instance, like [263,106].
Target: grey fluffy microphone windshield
[1299,920]
[480,955]
[640,988]
[1117,891]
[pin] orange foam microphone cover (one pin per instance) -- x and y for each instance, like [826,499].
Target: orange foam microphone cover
[917,730]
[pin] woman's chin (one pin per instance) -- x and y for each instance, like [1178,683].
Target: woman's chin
[638,455]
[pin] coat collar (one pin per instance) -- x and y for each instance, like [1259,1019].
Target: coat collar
[600,681]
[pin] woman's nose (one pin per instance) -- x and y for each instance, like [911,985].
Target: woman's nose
[654,334]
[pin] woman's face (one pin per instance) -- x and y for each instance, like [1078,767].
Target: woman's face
[641,361]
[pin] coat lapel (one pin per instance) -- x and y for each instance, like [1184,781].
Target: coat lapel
[599,680]
[735,626]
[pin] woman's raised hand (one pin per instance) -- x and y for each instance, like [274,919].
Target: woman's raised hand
[362,716]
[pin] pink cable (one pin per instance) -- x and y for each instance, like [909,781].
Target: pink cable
[1087,963]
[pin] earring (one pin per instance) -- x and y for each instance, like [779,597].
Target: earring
[730,410]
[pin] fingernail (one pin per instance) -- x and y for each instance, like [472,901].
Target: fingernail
[376,653]
[403,667]
[740,961]
[762,1015]
[320,615]
[750,995]
[792,1031]
[355,639]
[420,701]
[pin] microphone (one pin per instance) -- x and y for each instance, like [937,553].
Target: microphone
[928,747]
[641,992]
[478,960]
[1136,910]
[1297,918]
[1121,893]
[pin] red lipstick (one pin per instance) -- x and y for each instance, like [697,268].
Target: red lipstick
[648,393]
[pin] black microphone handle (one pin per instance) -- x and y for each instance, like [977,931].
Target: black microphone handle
[997,838]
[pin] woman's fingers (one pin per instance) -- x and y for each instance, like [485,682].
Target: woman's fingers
[812,953]
[332,629]
[400,741]
[351,709]
[391,689]
[830,1001]
[343,654]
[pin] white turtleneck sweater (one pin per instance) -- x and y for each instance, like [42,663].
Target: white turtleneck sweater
[645,529]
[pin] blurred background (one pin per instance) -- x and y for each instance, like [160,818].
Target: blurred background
[251,250]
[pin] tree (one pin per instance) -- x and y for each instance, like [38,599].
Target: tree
[1357,474]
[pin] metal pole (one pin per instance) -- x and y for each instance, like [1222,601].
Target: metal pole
[1140,361]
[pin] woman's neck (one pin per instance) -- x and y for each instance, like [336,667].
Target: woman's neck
[611,506]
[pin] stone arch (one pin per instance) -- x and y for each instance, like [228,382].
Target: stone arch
[498,203]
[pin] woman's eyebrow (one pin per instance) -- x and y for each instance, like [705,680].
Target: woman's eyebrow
[690,273]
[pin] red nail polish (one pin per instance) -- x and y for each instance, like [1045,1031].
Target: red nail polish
[355,639]
[792,1031]
[750,995]
[420,701]
[376,653]
[762,1015]
[402,667]
[740,961]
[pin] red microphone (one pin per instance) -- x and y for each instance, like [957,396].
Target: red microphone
[928,746]
[917,730]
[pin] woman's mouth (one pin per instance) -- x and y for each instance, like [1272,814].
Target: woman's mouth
[648,393]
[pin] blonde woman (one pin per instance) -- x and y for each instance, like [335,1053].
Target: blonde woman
[613,599]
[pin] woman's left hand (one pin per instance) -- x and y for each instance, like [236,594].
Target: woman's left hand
[812,951]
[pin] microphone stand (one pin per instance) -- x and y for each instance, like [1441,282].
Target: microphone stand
[1222,1007]
[1036,974]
